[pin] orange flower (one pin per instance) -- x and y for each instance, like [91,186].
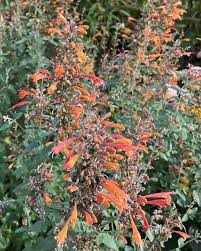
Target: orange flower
[90,218]
[40,74]
[48,200]
[82,29]
[62,145]
[21,104]
[66,176]
[116,156]
[162,199]
[100,198]
[106,199]
[24,93]
[72,161]
[115,190]
[111,165]
[109,124]
[53,30]
[123,141]
[61,237]
[182,234]
[80,54]
[52,88]
[96,80]
[91,98]
[72,188]
[82,90]
[154,56]
[144,219]
[49,176]
[73,216]
[59,71]
[136,235]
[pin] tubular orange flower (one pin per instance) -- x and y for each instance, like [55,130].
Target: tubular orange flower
[53,30]
[24,93]
[116,156]
[72,188]
[40,74]
[136,235]
[82,29]
[62,145]
[73,216]
[111,165]
[123,141]
[160,199]
[89,219]
[81,56]
[94,217]
[82,90]
[62,236]
[72,161]
[59,71]
[144,219]
[21,104]
[102,200]
[124,147]
[96,80]
[91,98]
[66,176]
[52,88]
[109,124]
[48,200]
[111,198]
[113,189]
[182,234]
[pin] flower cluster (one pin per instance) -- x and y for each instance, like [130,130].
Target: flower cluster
[100,156]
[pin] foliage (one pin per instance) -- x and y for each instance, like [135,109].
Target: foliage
[90,164]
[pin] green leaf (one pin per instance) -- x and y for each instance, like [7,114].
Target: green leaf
[5,126]
[149,235]
[107,239]
[181,242]
[197,197]
[184,133]
[163,156]
[38,227]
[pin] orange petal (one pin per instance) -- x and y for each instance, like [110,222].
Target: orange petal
[66,176]
[48,200]
[89,219]
[24,93]
[73,217]
[182,234]
[111,165]
[136,235]
[116,156]
[94,217]
[40,74]
[72,188]
[62,235]
[72,161]
[52,88]
[59,71]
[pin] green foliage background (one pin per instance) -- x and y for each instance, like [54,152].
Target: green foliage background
[24,47]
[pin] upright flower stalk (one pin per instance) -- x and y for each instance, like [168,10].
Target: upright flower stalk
[99,155]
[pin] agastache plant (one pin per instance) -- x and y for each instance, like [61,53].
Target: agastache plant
[99,156]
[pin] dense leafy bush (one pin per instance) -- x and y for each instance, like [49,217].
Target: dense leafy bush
[90,164]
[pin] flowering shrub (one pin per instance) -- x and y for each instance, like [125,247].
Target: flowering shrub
[102,176]
[89,151]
